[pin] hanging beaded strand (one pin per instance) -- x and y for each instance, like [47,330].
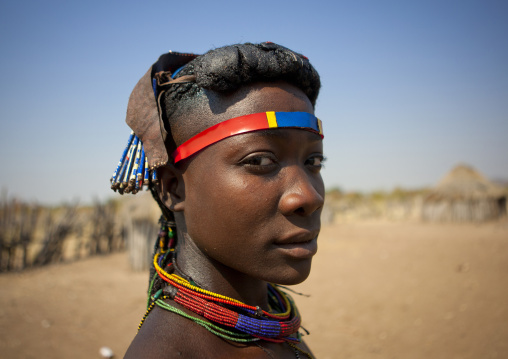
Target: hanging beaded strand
[132,172]
[166,237]
[133,175]
[164,245]
[122,159]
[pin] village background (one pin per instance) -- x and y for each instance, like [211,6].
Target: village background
[413,252]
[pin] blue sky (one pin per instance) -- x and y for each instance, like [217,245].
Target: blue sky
[410,88]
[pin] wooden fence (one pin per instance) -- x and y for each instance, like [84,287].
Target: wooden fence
[33,236]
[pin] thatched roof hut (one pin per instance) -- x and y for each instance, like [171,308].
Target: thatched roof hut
[464,195]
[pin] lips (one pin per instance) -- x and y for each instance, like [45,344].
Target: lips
[300,236]
[302,245]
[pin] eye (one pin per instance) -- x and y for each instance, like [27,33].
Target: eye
[316,161]
[259,162]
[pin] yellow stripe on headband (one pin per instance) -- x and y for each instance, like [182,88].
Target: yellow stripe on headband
[272,119]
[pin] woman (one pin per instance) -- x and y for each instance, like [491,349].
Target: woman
[234,153]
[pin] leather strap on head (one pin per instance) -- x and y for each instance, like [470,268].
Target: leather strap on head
[143,111]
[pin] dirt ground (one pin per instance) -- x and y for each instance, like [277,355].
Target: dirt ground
[378,290]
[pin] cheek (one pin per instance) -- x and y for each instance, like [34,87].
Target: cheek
[228,205]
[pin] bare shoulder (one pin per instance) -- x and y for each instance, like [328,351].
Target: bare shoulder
[168,335]
[163,335]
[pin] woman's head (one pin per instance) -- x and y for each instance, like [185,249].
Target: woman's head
[249,202]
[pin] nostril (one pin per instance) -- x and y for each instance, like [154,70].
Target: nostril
[300,211]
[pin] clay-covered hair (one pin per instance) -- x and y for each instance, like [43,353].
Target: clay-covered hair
[227,69]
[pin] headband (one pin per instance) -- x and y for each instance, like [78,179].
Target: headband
[133,172]
[247,123]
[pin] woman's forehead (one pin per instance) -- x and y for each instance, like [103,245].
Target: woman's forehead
[213,108]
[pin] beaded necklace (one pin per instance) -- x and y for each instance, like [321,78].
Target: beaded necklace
[225,317]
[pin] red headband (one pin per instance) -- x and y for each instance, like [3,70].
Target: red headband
[247,123]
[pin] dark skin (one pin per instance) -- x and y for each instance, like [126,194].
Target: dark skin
[248,212]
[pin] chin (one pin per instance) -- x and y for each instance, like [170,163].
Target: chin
[296,274]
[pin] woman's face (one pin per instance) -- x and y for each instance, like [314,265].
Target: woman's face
[253,201]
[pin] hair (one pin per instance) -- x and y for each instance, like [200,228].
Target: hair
[225,70]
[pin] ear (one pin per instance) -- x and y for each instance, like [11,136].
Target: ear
[171,187]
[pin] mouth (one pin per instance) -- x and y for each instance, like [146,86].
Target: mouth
[300,246]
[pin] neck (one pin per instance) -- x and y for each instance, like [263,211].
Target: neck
[212,275]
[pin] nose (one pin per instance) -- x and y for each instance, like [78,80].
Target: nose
[303,195]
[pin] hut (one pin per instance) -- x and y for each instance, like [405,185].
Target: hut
[464,195]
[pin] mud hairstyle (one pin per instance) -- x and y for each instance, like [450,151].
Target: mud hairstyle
[227,69]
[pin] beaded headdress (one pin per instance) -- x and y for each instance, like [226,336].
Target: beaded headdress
[145,150]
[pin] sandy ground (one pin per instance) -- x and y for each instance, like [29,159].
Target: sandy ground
[378,290]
